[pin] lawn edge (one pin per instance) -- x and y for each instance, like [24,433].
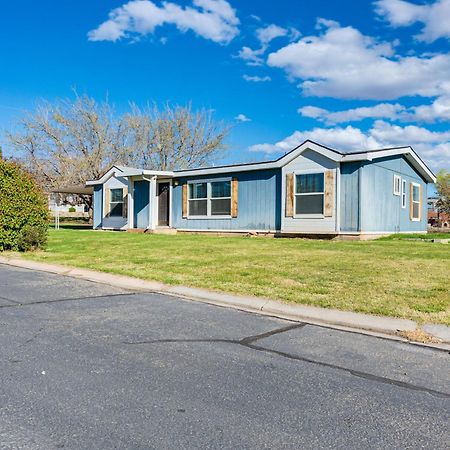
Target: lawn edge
[381,326]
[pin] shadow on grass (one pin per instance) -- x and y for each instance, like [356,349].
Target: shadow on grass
[72,226]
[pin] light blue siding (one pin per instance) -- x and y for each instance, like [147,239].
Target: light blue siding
[97,207]
[141,196]
[380,209]
[350,212]
[259,203]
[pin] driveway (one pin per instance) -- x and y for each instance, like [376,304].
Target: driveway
[89,366]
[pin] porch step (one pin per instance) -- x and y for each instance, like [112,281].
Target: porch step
[136,230]
[163,230]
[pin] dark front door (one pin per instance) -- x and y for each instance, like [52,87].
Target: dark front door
[163,204]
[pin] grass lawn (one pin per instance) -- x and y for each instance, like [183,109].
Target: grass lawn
[409,279]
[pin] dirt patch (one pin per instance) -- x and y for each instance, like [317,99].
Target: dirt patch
[419,336]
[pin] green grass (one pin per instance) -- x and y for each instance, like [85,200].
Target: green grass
[409,279]
[425,236]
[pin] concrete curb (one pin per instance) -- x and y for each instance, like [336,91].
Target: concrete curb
[350,321]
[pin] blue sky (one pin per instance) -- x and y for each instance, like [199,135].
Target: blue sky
[351,75]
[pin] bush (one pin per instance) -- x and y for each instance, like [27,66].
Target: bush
[72,209]
[23,210]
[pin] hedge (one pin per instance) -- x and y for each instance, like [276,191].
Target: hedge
[23,210]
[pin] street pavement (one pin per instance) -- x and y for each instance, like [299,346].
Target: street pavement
[90,366]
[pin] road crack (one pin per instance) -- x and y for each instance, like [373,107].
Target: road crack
[249,342]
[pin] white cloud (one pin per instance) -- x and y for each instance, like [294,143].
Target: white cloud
[256,79]
[242,118]
[252,57]
[267,34]
[379,111]
[211,19]
[439,110]
[432,146]
[435,17]
[341,62]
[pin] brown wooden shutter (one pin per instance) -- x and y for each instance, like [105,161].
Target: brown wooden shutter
[289,195]
[125,203]
[234,197]
[185,201]
[107,203]
[329,194]
[411,207]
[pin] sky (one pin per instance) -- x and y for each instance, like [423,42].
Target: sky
[352,75]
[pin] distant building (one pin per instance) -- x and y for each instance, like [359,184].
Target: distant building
[435,218]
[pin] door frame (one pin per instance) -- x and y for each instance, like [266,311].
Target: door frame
[156,209]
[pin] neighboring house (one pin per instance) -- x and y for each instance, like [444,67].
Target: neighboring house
[436,218]
[310,190]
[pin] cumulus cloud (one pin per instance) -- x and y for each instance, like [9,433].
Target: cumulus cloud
[252,57]
[256,79]
[242,118]
[215,20]
[379,111]
[432,146]
[267,34]
[434,17]
[437,111]
[341,62]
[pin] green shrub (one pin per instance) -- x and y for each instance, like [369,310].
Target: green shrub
[72,209]
[23,210]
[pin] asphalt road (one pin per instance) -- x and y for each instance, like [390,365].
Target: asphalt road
[89,366]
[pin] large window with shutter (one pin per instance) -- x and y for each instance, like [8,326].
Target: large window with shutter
[309,194]
[116,201]
[210,199]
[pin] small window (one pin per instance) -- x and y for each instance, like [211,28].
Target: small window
[198,199]
[221,198]
[397,182]
[403,193]
[209,199]
[116,203]
[309,193]
[415,201]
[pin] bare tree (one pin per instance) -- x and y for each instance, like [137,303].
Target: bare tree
[175,137]
[68,143]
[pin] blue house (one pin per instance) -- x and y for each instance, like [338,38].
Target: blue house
[312,190]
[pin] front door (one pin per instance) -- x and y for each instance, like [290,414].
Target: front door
[163,204]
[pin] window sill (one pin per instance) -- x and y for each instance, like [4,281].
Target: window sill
[208,217]
[309,216]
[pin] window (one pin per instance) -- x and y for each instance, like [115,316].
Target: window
[415,201]
[210,199]
[309,193]
[397,182]
[198,199]
[116,203]
[221,198]
[403,193]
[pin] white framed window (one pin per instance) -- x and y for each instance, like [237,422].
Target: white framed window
[209,199]
[415,201]
[309,194]
[397,183]
[116,202]
[403,194]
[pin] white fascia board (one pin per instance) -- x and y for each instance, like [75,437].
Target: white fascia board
[408,152]
[264,166]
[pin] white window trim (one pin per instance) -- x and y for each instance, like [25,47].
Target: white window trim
[308,172]
[404,194]
[397,184]
[122,202]
[208,199]
[415,219]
